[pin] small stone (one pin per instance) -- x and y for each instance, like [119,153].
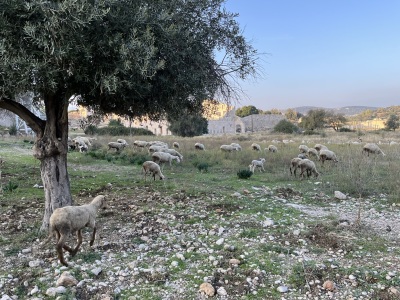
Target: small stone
[53,291]
[282,289]
[329,285]
[221,291]
[66,279]
[352,277]
[96,271]
[220,241]
[34,263]
[268,223]
[207,288]
[34,290]
[339,195]
[234,261]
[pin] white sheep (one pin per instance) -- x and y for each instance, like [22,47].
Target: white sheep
[82,139]
[320,147]
[199,146]
[325,154]
[312,152]
[372,148]
[237,146]
[257,164]
[156,148]
[70,219]
[308,166]
[228,148]
[272,148]
[140,144]
[115,145]
[294,165]
[175,145]
[255,147]
[162,157]
[303,148]
[173,152]
[302,155]
[153,168]
[122,141]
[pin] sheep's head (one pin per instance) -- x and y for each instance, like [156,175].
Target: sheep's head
[100,201]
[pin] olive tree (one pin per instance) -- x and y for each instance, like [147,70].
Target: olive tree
[132,58]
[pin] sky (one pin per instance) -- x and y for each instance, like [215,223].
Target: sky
[325,53]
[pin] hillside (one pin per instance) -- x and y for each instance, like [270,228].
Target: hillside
[347,110]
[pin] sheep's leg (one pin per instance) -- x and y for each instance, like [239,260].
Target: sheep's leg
[79,242]
[93,236]
[59,247]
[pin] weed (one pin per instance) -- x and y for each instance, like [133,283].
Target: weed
[10,187]
[244,174]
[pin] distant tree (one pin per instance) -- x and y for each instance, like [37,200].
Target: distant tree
[366,115]
[247,111]
[314,119]
[291,114]
[276,111]
[336,121]
[188,125]
[392,123]
[285,126]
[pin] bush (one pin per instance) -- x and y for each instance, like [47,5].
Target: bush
[345,129]
[244,174]
[284,126]
[13,130]
[116,130]
[203,167]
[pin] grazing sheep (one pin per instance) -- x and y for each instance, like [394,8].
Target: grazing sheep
[199,146]
[308,166]
[70,219]
[312,152]
[327,155]
[153,168]
[257,164]
[156,148]
[228,148]
[320,147]
[272,148]
[237,146]
[255,147]
[82,148]
[173,152]
[372,148]
[122,141]
[294,165]
[302,155]
[140,144]
[162,157]
[115,145]
[158,143]
[303,148]
[175,145]
[82,139]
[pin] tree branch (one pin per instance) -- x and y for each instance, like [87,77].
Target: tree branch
[31,119]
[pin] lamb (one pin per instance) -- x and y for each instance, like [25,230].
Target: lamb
[70,219]
[153,168]
[173,152]
[294,165]
[320,147]
[312,152]
[228,148]
[272,148]
[255,147]
[327,155]
[257,164]
[199,146]
[373,149]
[237,146]
[116,145]
[175,145]
[163,157]
[303,149]
[308,166]
[122,141]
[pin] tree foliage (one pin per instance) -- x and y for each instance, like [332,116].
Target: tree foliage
[285,126]
[189,125]
[315,119]
[246,111]
[336,121]
[291,115]
[392,123]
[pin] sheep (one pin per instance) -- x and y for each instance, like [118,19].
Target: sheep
[255,147]
[83,147]
[122,141]
[257,164]
[325,154]
[173,152]
[372,148]
[272,148]
[199,146]
[116,145]
[294,165]
[156,148]
[302,155]
[158,143]
[228,148]
[163,157]
[312,152]
[153,168]
[175,145]
[140,144]
[303,148]
[320,147]
[69,219]
[308,166]
[82,139]
[237,146]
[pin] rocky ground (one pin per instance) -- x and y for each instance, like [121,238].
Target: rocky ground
[153,246]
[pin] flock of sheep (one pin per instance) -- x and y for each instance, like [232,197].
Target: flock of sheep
[70,219]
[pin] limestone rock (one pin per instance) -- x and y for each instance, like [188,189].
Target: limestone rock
[207,288]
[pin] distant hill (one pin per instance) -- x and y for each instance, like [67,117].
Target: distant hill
[347,110]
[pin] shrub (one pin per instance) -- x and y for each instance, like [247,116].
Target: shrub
[244,174]
[10,187]
[116,131]
[203,167]
[345,129]
[13,130]
[284,126]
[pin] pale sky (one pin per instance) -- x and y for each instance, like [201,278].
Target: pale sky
[327,53]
